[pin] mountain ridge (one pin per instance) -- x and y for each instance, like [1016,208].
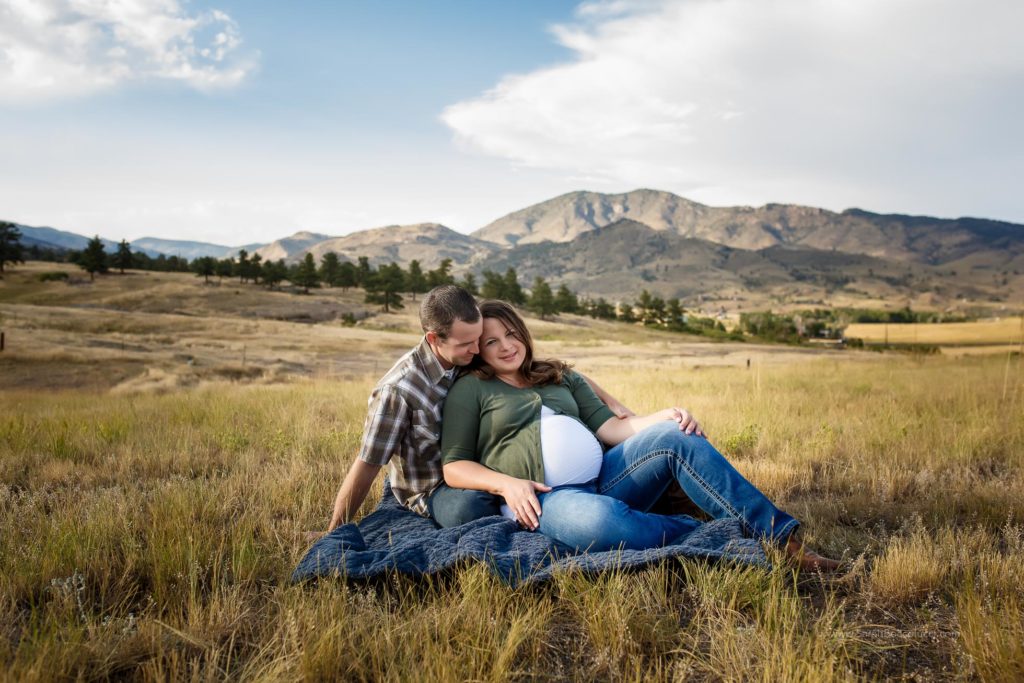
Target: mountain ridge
[925,239]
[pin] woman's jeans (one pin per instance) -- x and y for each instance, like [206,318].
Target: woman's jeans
[611,513]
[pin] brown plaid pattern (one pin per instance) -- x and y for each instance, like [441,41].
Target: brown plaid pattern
[403,426]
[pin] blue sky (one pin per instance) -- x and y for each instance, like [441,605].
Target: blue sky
[239,121]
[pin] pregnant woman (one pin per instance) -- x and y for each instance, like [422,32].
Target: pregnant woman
[532,430]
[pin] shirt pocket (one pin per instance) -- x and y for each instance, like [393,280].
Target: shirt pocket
[426,430]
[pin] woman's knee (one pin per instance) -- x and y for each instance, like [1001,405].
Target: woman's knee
[586,522]
[668,438]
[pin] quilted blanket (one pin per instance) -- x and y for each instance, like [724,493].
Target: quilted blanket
[393,539]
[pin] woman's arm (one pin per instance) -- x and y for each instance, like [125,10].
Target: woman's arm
[519,494]
[614,431]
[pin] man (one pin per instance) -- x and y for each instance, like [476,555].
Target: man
[403,423]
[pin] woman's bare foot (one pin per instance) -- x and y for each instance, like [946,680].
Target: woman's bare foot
[807,560]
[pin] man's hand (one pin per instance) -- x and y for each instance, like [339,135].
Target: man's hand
[687,423]
[521,496]
[621,411]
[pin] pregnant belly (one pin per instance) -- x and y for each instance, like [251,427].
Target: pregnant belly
[571,453]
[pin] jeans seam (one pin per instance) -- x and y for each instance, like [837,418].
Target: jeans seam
[636,465]
[714,494]
[693,474]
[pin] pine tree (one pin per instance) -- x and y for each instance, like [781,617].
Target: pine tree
[542,301]
[364,271]
[469,284]
[242,265]
[330,269]
[305,274]
[657,310]
[643,305]
[273,273]
[493,287]
[626,313]
[123,257]
[441,275]
[674,312]
[280,271]
[225,267]
[177,264]
[346,275]
[93,258]
[603,310]
[513,293]
[415,281]
[566,300]
[204,267]
[11,249]
[256,268]
[385,286]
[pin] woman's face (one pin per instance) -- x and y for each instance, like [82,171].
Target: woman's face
[500,348]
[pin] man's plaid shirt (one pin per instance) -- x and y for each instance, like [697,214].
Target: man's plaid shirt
[403,426]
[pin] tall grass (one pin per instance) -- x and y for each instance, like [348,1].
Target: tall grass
[152,536]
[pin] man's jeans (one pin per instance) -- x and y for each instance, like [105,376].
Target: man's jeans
[452,507]
[611,513]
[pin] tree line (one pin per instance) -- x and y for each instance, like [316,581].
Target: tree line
[383,286]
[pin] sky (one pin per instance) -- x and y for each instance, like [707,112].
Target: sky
[245,121]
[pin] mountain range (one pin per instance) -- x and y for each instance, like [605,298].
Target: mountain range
[613,245]
[62,240]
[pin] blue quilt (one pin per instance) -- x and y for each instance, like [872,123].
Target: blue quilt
[393,539]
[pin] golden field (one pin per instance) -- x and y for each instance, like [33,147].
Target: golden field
[153,511]
[1005,331]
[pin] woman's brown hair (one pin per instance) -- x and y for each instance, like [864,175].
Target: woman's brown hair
[535,372]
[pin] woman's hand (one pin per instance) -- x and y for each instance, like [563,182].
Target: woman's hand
[615,431]
[521,496]
[687,423]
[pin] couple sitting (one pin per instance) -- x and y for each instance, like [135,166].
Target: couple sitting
[471,425]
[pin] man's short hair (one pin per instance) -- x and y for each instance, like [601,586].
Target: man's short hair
[443,305]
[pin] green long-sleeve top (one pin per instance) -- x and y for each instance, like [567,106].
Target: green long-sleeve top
[498,425]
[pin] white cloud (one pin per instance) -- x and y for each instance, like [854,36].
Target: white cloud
[887,104]
[65,48]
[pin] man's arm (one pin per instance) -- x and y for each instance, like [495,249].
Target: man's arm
[613,403]
[386,422]
[353,491]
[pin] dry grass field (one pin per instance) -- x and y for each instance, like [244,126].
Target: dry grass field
[150,525]
[1004,331]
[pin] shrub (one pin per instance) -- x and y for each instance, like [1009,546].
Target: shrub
[57,276]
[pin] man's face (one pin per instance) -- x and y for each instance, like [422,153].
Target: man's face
[461,344]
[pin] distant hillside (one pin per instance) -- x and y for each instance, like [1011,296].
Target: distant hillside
[623,258]
[51,238]
[429,243]
[190,250]
[289,248]
[922,239]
